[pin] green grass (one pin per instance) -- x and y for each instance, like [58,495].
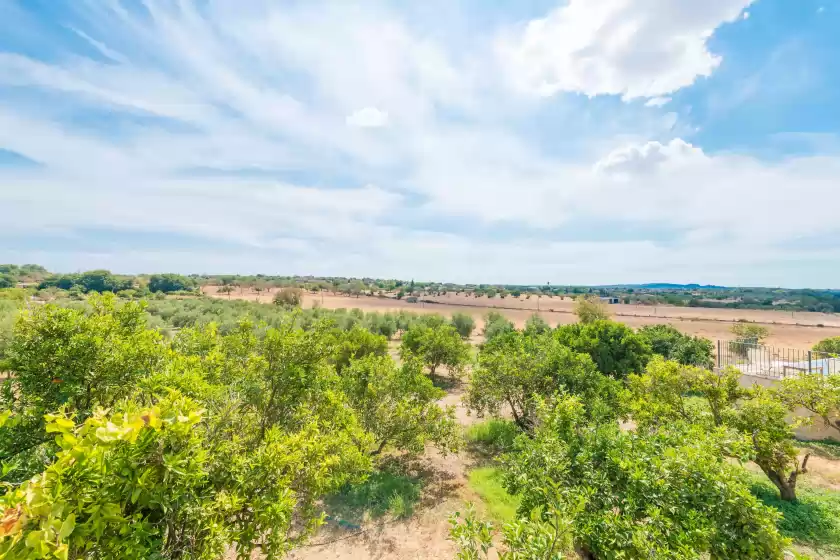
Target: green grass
[487,483]
[384,492]
[813,521]
[493,435]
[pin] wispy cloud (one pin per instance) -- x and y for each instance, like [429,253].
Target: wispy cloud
[325,137]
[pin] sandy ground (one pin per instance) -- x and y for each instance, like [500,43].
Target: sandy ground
[787,330]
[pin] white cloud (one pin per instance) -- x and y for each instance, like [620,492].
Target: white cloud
[632,48]
[745,15]
[369,117]
[263,97]
[657,101]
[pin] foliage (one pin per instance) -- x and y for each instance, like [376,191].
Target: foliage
[542,536]
[671,344]
[68,357]
[170,283]
[828,345]
[590,309]
[355,344]
[655,494]
[464,324]
[536,325]
[817,393]
[749,332]
[764,418]
[288,297]
[614,347]
[667,392]
[436,346]
[495,324]
[515,368]
[398,405]
[91,281]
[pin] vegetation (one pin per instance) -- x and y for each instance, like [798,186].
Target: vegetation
[818,394]
[495,324]
[829,345]
[180,448]
[671,344]
[289,297]
[615,348]
[488,483]
[590,309]
[168,283]
[749,332]
[662,494]
[435,346]
[464,324]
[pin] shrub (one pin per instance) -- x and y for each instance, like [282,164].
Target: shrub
[614,347]
[671,344]
[590,309]
[464,324]
[288,297]
[495,325]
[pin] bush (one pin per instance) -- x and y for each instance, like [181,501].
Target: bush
[828,345]
[590,309]
[614,347]
[288,297]
[495,325]
[436,346]
[671,344]
[464,324]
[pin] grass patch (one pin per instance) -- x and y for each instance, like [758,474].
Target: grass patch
[825,448]
[813,521]
[384,492]
[493,435]
[487,483]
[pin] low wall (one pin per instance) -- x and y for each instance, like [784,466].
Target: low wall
[816,431]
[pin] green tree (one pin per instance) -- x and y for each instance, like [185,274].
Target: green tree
[464,324]
[828,345]
[764,417]
[398,405]
[671,344]
[749,332]
[495,324]
[170,283]
[817,393]
[614,347]
[355,344]
[536,325]
[436,346]
[590,309]
[662,494]
[514,370]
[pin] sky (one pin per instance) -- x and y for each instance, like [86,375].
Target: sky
[496,141]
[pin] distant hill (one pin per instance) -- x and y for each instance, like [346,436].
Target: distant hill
[667,286]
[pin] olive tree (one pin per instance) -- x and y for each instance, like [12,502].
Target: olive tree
[828,345]
[464,324]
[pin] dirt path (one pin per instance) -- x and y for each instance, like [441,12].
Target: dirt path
[424,536]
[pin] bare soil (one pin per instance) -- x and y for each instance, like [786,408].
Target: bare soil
[788,330]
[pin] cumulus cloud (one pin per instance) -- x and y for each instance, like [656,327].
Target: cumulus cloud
[648,157]
[369,117]
[632,48]
[243,125]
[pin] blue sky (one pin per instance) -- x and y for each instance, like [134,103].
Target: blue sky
[578,141]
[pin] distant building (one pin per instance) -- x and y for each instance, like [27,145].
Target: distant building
[610,299]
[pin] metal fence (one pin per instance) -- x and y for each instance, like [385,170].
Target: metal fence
[774,363]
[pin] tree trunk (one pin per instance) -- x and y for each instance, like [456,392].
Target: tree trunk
[786,485]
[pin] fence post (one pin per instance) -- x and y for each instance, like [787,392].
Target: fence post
[809,361]
[718,355]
